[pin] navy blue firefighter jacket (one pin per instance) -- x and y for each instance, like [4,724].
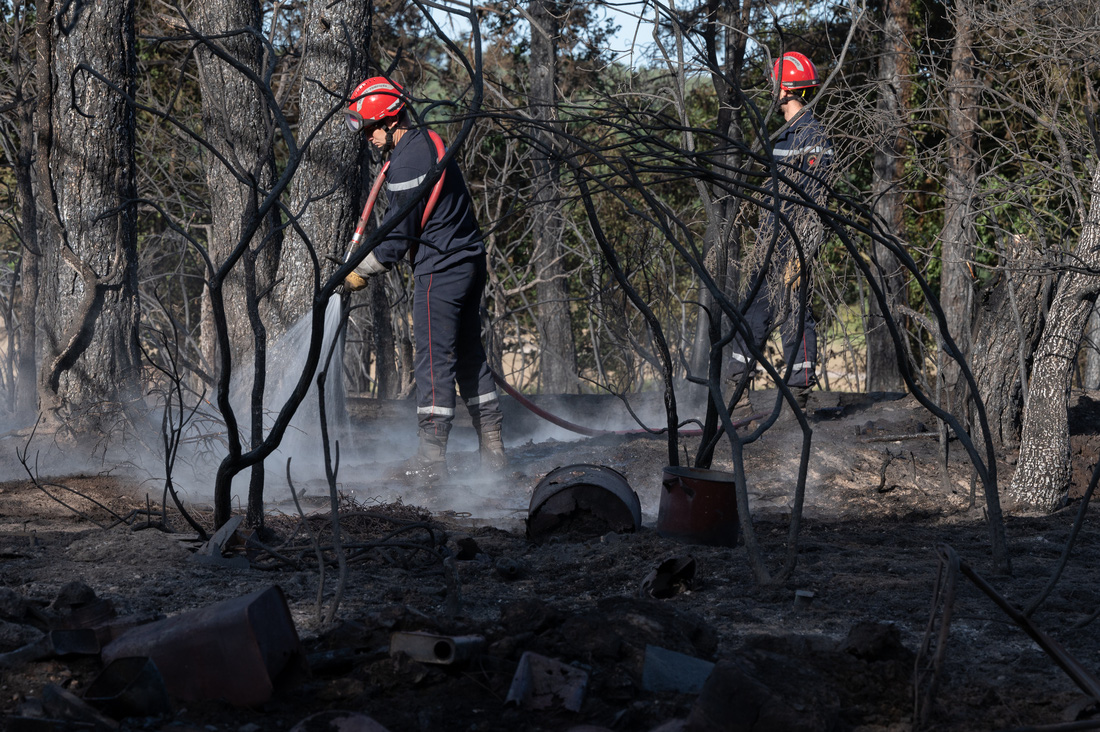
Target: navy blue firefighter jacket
[803,155]
[451,234]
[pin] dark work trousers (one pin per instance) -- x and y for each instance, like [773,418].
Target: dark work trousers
[447,327]
[799,347]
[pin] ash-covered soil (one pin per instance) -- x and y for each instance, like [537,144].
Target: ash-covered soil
[878,506]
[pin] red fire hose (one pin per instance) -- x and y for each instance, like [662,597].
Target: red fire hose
[374,190]
[581,430]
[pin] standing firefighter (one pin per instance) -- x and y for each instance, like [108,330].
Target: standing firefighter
[445,246]
[802,156]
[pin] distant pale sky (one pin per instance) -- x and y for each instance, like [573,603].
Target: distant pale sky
[625,16]
[624,13]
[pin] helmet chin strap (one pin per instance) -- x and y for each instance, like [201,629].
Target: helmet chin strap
[389,138]
[798,95]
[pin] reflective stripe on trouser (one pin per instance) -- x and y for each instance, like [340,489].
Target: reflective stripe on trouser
[799,347]
[447,327]
[485,411]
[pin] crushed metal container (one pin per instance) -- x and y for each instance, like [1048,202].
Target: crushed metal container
[234,650]
[596,498]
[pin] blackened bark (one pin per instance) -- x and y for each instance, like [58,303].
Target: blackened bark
[90,356]
[236,127]
[883,373]
[958,235]
[1090,373]
[254,516]
[386,378]
[722,240]
[558,360]
[26,395]
[724,29]
[1007,328]
[327,191]
[1043,470]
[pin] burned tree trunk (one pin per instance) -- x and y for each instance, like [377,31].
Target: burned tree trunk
[1043,471]
[26,398]
[557,360]
[883,372]
[722,238]
[387,379]
[328,184]
[1008,324]
[90,357]
[243,246]
[724,28]
[239,170]
[958,235]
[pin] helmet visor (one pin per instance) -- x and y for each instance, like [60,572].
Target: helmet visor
[353,120]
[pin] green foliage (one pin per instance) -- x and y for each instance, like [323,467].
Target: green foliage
[622,130]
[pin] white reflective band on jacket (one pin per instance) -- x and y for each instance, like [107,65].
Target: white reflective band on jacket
[781,152]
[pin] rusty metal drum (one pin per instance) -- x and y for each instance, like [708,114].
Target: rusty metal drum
[698,506]
[583,499]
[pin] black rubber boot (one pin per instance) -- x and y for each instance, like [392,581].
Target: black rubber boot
[802,383]
[802,399]
[491,449]
[486,418]
[429,464]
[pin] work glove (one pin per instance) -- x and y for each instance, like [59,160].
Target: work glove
[368,268]
[353,282]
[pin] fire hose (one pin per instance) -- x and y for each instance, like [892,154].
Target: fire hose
[590,431]
[433,198]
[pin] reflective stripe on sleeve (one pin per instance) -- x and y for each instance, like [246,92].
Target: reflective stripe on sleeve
[790,152]
[406,185]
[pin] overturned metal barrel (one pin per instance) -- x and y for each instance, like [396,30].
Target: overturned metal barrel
[698,506]
[583,498]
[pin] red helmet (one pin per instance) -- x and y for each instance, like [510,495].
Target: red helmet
[372,101]
[798,71]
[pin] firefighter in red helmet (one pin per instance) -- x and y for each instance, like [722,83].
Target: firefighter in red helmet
[802,155]
[794,71]
[445,245]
